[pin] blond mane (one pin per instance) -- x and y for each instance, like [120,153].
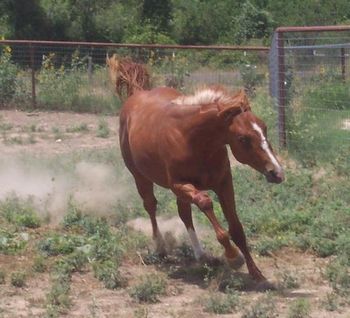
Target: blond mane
[210,95]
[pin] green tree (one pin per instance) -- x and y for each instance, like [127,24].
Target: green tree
[158,13]
[25,19]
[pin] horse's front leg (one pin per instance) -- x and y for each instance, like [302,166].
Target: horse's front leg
[187,193]
[225,193]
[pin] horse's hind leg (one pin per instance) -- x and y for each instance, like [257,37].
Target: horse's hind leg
[185,213]
[145,189]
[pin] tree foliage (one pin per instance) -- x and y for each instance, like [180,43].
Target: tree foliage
[166,21]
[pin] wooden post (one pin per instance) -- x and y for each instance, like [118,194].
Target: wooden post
[342,60]
[281,92]
[32,66]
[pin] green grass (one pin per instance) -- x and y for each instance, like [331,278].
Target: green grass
[315,127]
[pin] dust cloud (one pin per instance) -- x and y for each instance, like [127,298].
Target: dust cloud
[94,187]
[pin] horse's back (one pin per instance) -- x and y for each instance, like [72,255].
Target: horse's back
[141,118]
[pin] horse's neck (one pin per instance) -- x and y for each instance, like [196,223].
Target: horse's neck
[200,124]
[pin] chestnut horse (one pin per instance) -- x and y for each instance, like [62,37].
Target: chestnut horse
[179,142]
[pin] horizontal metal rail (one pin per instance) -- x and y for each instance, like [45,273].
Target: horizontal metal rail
[131,45]
[335,28]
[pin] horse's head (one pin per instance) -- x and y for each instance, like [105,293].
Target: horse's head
[247,137]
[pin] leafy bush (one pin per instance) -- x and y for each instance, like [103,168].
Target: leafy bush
[11,243]
[76,90]
[8,77]
[56,244]
[107,272]
[19,212]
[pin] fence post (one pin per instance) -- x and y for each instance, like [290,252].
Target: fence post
[281,92]
[342,59]
[32,66]
[90,69]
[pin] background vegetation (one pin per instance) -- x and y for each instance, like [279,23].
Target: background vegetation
[168,21]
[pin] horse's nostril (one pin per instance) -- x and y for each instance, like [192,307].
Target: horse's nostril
[275,176]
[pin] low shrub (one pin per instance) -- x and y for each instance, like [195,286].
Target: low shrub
[149,289]
[221,303]
[264,307]
[300,308]
[19,212]
[18,278]
[108,273]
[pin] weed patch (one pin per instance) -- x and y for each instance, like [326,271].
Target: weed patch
[264,307]
[149,289]
[18,278]
[108,273]
[20,213]
[300,308]
[103,130]
[221,303]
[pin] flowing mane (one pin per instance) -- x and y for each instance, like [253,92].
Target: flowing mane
[210,95]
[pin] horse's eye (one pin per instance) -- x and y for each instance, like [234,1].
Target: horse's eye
[244,140]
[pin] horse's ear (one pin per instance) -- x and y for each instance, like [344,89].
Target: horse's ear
[107,59]
[228,113]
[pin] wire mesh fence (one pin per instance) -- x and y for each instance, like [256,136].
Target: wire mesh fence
[73,76]
[309,71]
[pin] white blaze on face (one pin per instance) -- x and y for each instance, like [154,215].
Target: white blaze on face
[265,146]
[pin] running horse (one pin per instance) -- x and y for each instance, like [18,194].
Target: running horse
[179,142]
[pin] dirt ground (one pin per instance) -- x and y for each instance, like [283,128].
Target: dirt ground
[54,133]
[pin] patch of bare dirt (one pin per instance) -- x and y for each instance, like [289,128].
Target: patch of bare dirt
[52,132]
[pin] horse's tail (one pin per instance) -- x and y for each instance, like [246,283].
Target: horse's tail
[127,76]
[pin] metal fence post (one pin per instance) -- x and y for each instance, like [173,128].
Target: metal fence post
[90,69]
[32,66]
[281,92]
[342,59]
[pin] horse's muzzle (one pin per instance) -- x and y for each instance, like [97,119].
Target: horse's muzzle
[274,176]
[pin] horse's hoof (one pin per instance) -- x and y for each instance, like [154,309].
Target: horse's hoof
[265,285]
[237,262]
